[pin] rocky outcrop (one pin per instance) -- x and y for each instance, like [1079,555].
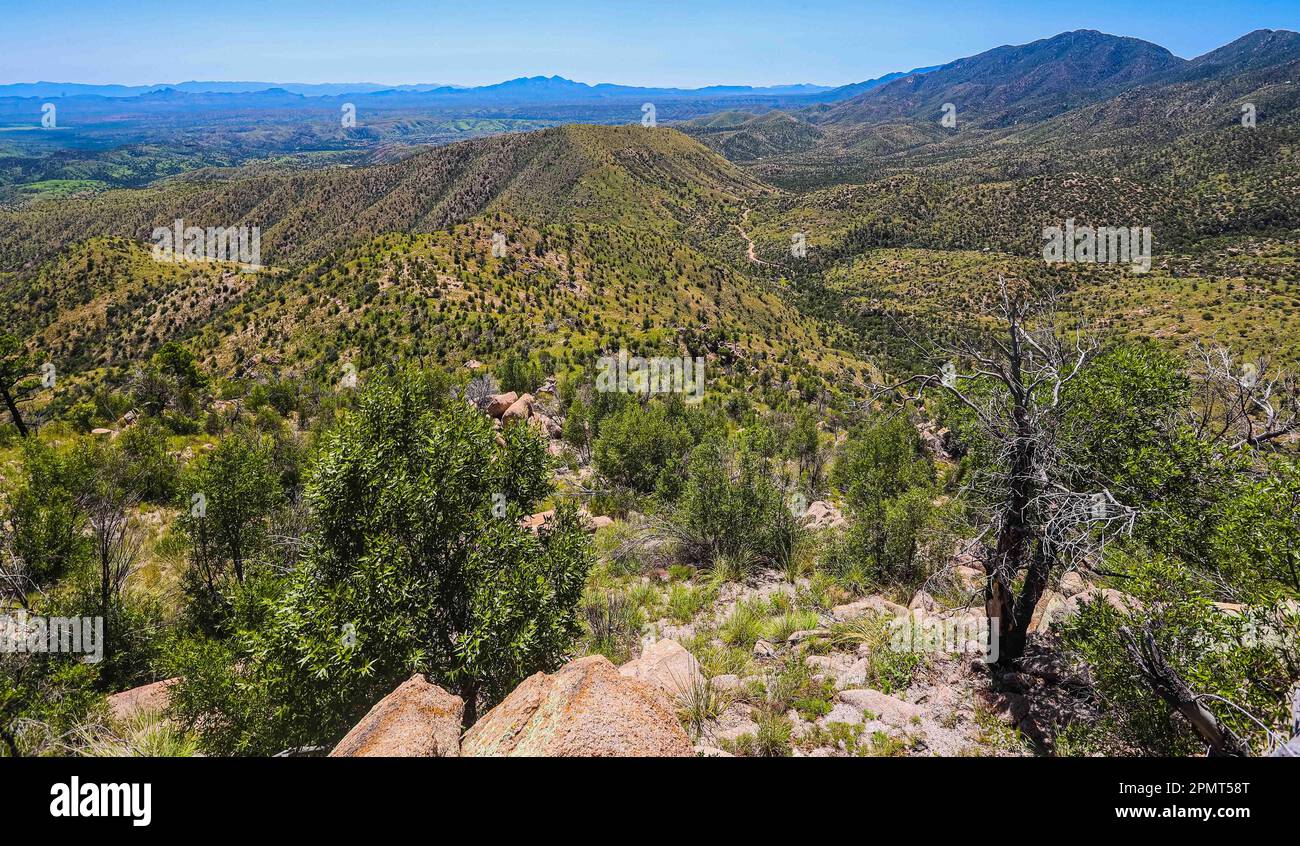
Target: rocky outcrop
[586,709]
[146,697]
[417,720]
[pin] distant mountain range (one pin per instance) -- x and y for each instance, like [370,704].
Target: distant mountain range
[529,88]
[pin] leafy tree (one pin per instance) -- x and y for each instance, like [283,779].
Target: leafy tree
[230,495]
[1124,425]
[409,569]
[45,523]
[520,374]
[1249,659]
[1256,540]
[879,461]
[639,446]
[152,469]
[803,444]
[175,361]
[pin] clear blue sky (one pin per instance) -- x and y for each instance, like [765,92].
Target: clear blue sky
[472,42]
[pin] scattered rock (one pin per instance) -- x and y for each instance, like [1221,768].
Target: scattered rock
[146,697]
[888,709]
[417,720]
[711,752]
[870,604]
[666,665]
[584,709]
[763,649]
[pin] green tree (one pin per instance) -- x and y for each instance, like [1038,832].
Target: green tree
[879,461]
[410,568]
[732,505]
[229,497]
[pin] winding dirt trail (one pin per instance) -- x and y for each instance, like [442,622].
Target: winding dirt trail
[740,227]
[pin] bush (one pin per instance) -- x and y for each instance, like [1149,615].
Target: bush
[152,470]
[643,448]
[878,462]
[732,507]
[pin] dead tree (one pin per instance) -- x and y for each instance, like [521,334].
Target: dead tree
[1241,404]
[17,384]
[108,505]
[1040,523]
[1150,661]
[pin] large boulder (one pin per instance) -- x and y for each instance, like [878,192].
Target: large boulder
[888,709]
[520,409]
[667,665]
[498,404]
[1050,608]
[417,720]
[146,697]
[586,709]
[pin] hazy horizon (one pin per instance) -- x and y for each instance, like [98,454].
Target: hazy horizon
[714,42]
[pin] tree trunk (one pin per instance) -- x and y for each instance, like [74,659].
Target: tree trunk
[1151,663]
[13,411]
[105,595]
[469,693]
[11,742]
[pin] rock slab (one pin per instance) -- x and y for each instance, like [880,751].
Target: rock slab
[585,709]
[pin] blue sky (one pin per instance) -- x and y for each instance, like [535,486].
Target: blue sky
[470,42]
